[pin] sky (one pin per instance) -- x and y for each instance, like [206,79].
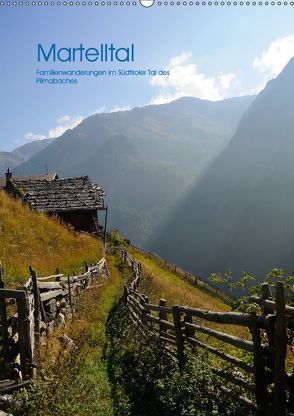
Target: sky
[212,52]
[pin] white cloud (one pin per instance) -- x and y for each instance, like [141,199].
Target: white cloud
[272,60]
[120,108]
[225,80]
[67,122]
[64,123]
[63,119]
[99,110]
[30,137]
[185,79]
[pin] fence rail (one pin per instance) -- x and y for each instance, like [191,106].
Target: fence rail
[259,371]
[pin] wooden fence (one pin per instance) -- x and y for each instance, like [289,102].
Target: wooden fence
[29,311]
[258,371]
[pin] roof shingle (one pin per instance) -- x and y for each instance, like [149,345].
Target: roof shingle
[73,194]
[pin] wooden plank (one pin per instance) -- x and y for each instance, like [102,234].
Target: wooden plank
[227,357]
[51,294]
[179,335]
[14,294]
[136,304]
[14,385]
[69,294]
[168,340]
[229,339]
[280,353]
[3,317]
[234,379]
[52,276]
[244,400]
[49,285]
[159,308]
[289,310]
[25,347]
[261,393]
[37,309]
[5,381]
[231,318]
[165,324]
[163,316]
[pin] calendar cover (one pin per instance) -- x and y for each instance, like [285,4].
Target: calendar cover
[146,162]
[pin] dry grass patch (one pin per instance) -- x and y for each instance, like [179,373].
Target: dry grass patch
[30,238]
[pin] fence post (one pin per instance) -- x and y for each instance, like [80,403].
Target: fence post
[3,315]
[261,393]
[146,312]
[57,272]
[179,335]
[25,342]
[269,320]
[37,308]
[69,294]
[162,315]
[125,294]
[280,353]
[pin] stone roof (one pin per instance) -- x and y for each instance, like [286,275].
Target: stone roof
[59,195]
[47,177]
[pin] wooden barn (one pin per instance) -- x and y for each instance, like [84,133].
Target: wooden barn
[76,201]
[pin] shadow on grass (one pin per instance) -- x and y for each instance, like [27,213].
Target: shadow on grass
[134,366]
[145,382]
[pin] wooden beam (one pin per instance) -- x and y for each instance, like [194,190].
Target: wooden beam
[11,294]
[231,318]
[51,294]
[229,339]
[179,335]
[227,357]
[25,341]
[261,393]
[280,353]
[3,316]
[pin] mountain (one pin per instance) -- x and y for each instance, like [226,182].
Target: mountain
[29,149]
[9,160]
[145,159]
[240,215]
[21,154]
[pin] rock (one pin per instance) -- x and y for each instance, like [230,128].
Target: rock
[5,414]
[43,327]
[51,307]
[63,303]
[51,326]
[6,401]
[60,319]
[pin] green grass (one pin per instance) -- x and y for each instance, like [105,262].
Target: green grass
[82,377]
[30,238]
[159,282]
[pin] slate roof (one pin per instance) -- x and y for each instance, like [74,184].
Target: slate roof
[47,177]
[73,194]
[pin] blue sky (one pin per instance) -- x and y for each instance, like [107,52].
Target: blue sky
[211,52]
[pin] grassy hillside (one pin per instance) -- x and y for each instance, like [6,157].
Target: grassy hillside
[162,283]
[30,238]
